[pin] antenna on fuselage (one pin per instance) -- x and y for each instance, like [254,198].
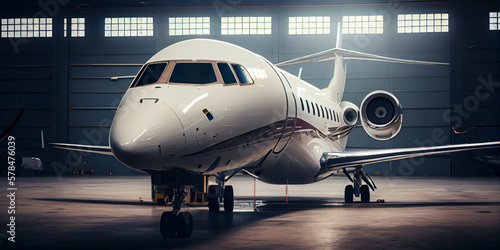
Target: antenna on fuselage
[300,73]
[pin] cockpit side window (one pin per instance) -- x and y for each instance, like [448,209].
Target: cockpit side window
[227,73]
[242,74]
[193,73]
[150,74]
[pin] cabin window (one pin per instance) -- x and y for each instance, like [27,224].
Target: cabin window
[317,108]
[242,74]
[308,109]
[150,74]
[193,73]
[302,104]
[331,116]
[327,115]
[227,73]
[322,111]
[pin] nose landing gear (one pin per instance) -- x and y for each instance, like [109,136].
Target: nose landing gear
[177,223]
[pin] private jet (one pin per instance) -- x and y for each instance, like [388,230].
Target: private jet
[203,107]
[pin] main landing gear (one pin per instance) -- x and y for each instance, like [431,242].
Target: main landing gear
[177,223]
[357,189]
[220,193]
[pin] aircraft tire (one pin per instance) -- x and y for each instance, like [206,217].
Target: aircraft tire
[213,198]
[365,194]
[168,224]
[213,205]
[184,224]
[348,194]
[228,199]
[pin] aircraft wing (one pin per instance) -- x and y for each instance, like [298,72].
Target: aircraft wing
[331,54]
[103,150]
[334,160]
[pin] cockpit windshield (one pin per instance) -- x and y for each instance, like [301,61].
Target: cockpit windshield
[150,74]
[193,73]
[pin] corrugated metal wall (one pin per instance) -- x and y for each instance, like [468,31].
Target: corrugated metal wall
[64,83]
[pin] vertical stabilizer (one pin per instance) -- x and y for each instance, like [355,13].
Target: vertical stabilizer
[335,89]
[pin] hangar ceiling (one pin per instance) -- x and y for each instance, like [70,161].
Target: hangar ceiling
[64,82]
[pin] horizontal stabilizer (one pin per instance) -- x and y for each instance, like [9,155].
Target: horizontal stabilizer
[334,160]
[332,54]
[103,150]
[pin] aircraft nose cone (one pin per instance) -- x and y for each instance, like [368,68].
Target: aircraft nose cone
[144,134]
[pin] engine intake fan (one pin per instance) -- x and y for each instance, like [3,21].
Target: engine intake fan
[381,115]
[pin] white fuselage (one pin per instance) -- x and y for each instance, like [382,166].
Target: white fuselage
[276,127]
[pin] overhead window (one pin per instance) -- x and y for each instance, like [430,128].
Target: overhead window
[308,25]
[26,27]
[77,27]
[193,73]
[423,23]
[227,73]
[128,26]
[373,24]
[181,26]
[494,20]
[246,25]
[242,74]
[150,74]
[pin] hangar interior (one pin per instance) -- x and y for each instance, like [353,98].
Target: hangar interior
[57,60]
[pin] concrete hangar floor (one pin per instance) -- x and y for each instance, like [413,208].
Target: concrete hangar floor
[88,212]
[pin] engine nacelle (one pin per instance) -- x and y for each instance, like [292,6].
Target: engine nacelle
[381,115]
[349,113]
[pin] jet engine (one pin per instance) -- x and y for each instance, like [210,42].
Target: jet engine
[381,115]
[350,113]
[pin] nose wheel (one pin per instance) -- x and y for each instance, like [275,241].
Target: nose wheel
[177,223]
